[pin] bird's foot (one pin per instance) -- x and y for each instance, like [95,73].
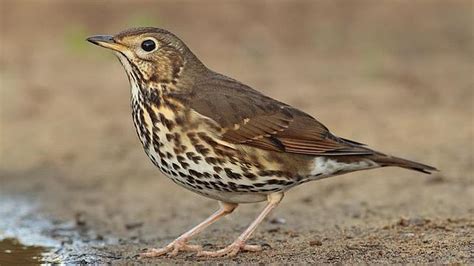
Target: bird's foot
[231,250]
[171,249]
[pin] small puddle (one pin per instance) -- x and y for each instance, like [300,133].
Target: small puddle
[14,252]
[29,237]
[22,234]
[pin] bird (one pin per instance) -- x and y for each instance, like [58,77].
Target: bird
[222,139]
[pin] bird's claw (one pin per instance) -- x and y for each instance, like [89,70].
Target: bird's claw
[230,251]
[171,249]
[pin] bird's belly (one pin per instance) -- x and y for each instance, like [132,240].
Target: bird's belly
[203,178]
[224,196]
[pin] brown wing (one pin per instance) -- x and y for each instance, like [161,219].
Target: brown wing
[254,119]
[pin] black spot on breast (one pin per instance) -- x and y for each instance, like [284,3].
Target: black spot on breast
[164,163]
[155,97]
[168,123]
[155,131]
[215,160]
[192,137]
[232,185]
[169,137]
[274,173]
[268,189]
[144,134]
[195,173]
[154,161]
[228,153]
[244,186]
[215,186]
[190,180]
[250,176]
[182,161]
[192,156]
[154,119]
[157,144]
[201,182]
[201,149]
[162,155]
[211,160]
[279,182]
[231,174]
[163,169]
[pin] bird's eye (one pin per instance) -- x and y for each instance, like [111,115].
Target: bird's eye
[148,45]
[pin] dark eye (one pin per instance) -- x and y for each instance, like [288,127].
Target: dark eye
[148,45]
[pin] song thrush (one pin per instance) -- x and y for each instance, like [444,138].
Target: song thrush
[222,139]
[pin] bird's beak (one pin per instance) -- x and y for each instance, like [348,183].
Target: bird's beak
[106,41]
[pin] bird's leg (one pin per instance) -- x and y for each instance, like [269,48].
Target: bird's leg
[239,244]
[180,243]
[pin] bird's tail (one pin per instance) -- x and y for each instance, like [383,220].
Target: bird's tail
[386,160]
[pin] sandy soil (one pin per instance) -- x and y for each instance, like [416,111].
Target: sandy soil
[395,75]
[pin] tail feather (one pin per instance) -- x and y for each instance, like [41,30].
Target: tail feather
[385,160]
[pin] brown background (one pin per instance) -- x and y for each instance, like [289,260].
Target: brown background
[397,75]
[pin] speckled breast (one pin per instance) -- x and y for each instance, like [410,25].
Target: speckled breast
[185,147]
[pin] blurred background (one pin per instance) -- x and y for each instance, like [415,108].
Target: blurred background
[397,75]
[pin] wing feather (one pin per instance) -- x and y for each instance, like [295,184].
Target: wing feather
[251,118]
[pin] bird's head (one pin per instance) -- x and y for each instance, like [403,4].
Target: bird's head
[150,54]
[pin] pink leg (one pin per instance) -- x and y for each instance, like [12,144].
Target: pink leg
[180,243]
[239,243]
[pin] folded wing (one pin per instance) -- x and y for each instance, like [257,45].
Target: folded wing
[251,118]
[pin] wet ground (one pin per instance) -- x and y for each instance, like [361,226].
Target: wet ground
[75,186]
